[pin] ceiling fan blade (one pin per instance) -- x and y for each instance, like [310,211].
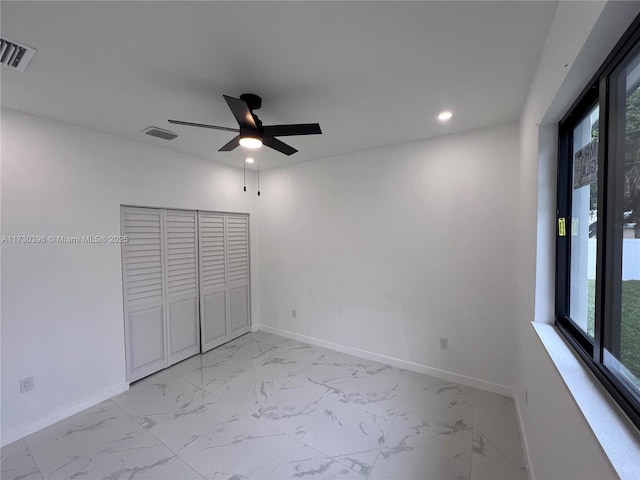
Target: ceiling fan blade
[242,113]
[235,142]
[294,129]
[203,125]
[278,145]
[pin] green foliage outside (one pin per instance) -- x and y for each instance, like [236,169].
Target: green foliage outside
[632,156]
[630,328]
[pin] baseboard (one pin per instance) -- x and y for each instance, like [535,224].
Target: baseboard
[22,431]
[525,443]
[395,362]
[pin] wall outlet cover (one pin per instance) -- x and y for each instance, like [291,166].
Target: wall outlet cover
[26,384]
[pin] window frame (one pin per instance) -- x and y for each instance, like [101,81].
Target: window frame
[609,244]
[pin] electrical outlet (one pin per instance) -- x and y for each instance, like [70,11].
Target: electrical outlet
[444,343]
[294,313]
[26,384]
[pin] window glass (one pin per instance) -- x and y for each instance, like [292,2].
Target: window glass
[583,222]
[598,231]
[623,354]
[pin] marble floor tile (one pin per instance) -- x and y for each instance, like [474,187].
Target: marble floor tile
[247,448]
[89,431]
[325,379]
[355,364]
[248,351]
[208,417]
[215,373]
[448,393]
[441,409]
[349,435]
[104,442]
[247,391]
[283,363]
[380,393]
[191,363]
[496,428]
[159,393]
[489,464]
[152,463]
[269,408]
[413,455]
[18,463]
[305,462]
[292,409]
[304,349]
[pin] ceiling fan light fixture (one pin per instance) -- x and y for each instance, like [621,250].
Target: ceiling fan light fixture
[250,142]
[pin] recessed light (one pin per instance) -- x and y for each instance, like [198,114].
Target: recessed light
[249,160]
[445,116]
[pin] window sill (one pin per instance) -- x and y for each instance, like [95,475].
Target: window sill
[617,436]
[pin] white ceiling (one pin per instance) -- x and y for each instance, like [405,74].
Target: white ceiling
[372,74]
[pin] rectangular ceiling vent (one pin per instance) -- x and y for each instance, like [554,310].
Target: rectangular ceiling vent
[15,55]
[160,133]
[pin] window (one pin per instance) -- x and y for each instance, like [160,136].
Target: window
[598,231]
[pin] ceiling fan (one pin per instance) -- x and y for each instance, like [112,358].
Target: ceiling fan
[252,134]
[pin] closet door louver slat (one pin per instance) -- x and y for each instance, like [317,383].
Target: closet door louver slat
[143,292]
[238,273]
[181,272]
[213,283]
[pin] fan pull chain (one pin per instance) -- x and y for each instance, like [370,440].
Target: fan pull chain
[244,174]
[258,162]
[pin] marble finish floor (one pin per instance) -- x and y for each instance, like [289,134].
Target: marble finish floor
[267,407]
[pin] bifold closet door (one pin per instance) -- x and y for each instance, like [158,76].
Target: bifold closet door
[224,277]
[213,280]
[142,264]
[181,274]
[185,283]
[160,283]
[238,273]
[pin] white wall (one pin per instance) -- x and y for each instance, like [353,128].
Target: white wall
[385,251]
[62,304]
[560,444]
[390,249]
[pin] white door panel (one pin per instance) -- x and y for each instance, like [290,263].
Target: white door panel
[146,342]
[214,308]
[184,328]
[181,273]
[238,274]
[213,280]
[144,312]
[239,310]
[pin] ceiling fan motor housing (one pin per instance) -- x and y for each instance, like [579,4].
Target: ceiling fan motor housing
[253,101]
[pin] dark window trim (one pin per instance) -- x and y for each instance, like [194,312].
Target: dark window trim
[595,93]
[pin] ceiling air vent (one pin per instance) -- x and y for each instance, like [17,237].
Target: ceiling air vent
[160,133]
[15,55]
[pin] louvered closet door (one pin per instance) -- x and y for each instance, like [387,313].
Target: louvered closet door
[213,284]
[238,273]
[181,273]
[143,300]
